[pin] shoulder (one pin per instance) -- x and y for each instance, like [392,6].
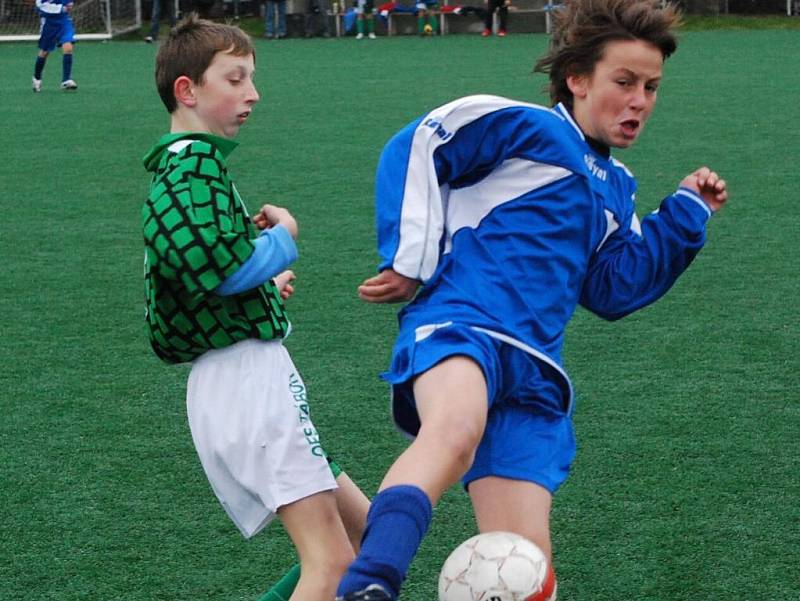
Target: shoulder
[195,155]
[510,122]
[470,108]
[620,167]
[186,147]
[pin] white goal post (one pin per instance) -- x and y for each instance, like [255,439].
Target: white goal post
[93,19]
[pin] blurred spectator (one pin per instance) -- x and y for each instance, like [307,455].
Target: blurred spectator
[317,18]
[155,17]
[365,11]
[427,23]
[501,7]
[269,21]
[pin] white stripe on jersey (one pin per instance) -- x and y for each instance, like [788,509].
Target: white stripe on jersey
[51,8]
[466,207]
[422,215]
[562,112]
[611,227]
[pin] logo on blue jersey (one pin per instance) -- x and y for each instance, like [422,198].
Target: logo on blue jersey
[438,129]
[598,172]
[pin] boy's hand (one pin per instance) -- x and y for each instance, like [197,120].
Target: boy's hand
[388,287]
[283,282]
[270,215]
[708,184]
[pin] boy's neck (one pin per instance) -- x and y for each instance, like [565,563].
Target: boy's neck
[598,146]
[183,120]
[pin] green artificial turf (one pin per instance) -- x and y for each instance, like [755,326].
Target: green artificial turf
[685,486]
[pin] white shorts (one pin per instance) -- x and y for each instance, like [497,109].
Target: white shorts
[249,417]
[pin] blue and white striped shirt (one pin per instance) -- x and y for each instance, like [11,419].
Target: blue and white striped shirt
[511,218]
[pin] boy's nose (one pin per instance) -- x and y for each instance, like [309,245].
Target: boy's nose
[252,94]
[638,98]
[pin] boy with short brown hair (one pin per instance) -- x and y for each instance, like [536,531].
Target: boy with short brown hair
[214,291]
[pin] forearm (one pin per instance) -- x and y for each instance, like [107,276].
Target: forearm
[275,250]
[633,270]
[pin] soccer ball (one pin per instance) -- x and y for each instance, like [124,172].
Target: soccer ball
[428,30]
[495,566]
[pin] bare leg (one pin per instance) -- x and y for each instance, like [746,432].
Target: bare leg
[315,527]
[353,506]
[513,506]
[452,404]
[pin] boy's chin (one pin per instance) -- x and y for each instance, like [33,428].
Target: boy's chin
[228,132]
[623,141]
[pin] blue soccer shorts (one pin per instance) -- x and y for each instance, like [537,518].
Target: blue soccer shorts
[54,32]
[529,434]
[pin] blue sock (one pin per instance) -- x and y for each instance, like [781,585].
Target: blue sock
[37,71]
[66,67]
[397,520]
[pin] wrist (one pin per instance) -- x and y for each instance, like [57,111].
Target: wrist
[694,195]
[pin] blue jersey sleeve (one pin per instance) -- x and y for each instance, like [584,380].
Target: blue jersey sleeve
[454,145]
[638,263]
[274,251]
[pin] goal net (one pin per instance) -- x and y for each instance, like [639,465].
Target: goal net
[93,19]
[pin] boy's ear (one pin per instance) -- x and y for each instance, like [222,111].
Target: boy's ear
[184,89]
[577,84]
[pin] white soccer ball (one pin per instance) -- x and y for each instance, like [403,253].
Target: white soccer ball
[494,566]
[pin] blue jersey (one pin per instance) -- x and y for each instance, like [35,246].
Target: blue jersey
[511,218]
[53,10]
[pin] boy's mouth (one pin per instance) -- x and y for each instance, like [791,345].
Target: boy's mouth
[242,117]
[630,127]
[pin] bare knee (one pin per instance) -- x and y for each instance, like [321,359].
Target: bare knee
[452,404]
[321,540]
[453,442]
[322,572]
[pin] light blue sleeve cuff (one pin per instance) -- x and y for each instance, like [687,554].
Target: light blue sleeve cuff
[692,195]
[274,251]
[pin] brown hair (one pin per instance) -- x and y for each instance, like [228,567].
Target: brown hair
[189,50]
[584,27]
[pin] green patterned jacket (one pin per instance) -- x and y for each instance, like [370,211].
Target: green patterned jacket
[197,233]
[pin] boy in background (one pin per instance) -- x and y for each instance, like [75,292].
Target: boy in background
[365,17]
[212,301]
[501,8]
[56,30]
[510,215]
[427,23]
